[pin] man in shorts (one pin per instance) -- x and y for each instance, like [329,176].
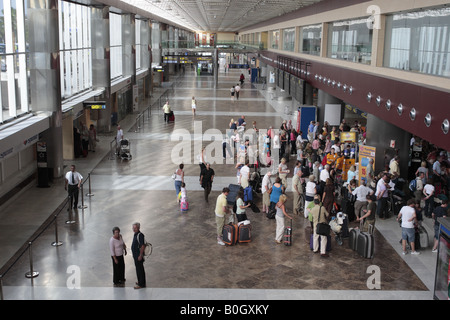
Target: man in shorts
[408,216]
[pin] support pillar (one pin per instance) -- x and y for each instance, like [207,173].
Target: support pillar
[44,64]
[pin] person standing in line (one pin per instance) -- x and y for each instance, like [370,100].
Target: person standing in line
[206,180]
[179,179]
[370,173]
[439,212]
[244,174]
[275,192]
[193,105]
[369,213]
[237,89]
[319,215]
[137,248]
[382,196]
[428,192]
[119,136]
[166,109]
[279,217]
[408,216]
[266,185]
[220,212]
[118,250]
[361,193]
[72,184]
[297,189]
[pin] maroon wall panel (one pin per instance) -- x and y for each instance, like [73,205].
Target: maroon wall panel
[423,99]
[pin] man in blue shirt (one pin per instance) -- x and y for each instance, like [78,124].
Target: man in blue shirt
[137,248]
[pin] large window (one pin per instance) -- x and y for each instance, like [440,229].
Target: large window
[115,33]
[13,60]
[419,42]
[274,39]
[289,39]
[310,39]
[75,47]
[350,40]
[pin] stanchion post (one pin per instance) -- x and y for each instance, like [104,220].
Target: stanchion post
[82,206]
[56,243]
[89,194]
[31,274]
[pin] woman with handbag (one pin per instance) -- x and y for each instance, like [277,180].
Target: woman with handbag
[279,217]
[321,228]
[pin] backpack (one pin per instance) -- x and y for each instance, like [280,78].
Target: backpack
[413,185]
[184,205]
[148,246]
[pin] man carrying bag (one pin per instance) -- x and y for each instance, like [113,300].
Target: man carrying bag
[321,228]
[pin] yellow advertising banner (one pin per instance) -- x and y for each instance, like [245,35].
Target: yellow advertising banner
[348,136]
[365,154]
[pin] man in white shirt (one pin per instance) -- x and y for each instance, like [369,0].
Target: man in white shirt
[237,89]
[119,136]
[408,216]
[72,185]
[361,193]
[265,187]
[244,175]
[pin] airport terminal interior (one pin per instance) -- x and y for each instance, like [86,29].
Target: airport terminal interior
[68,66]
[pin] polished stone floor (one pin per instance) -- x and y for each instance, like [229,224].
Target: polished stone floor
[187,262]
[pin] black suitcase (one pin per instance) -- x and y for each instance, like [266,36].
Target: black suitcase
[288,235]
[245,233]
[365,246]
[353,239]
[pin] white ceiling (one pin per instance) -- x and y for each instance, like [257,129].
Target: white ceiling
[218,15]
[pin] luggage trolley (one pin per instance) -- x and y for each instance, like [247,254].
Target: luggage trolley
[124,151]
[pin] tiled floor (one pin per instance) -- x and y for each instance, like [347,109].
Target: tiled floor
[187,263]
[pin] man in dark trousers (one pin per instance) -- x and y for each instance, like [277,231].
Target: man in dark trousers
[72,185]
[137,248]
[206,180]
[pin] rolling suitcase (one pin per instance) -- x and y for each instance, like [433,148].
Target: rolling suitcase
[245,232]
[424,239]
[171,116]
[288,235]
[230,234]
[308,233]
[365,243]
[254,208]
[353,238]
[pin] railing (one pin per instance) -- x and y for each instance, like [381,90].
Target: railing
[28,246]
[156,105]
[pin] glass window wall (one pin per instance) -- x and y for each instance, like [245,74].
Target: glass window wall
[351,40]
[115,25]
[275,39]
[13,60]
[310,39]
[419,42]
[289,39]
[75,48]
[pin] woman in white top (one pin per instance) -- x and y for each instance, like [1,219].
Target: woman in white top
[240,207]
[428,192]
[283,171]
[194,105]
[244,174]
[118,250]
[310,191]
[179,178]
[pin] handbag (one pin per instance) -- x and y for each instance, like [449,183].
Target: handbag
[322,228]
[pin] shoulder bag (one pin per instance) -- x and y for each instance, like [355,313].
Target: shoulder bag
[322,228]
